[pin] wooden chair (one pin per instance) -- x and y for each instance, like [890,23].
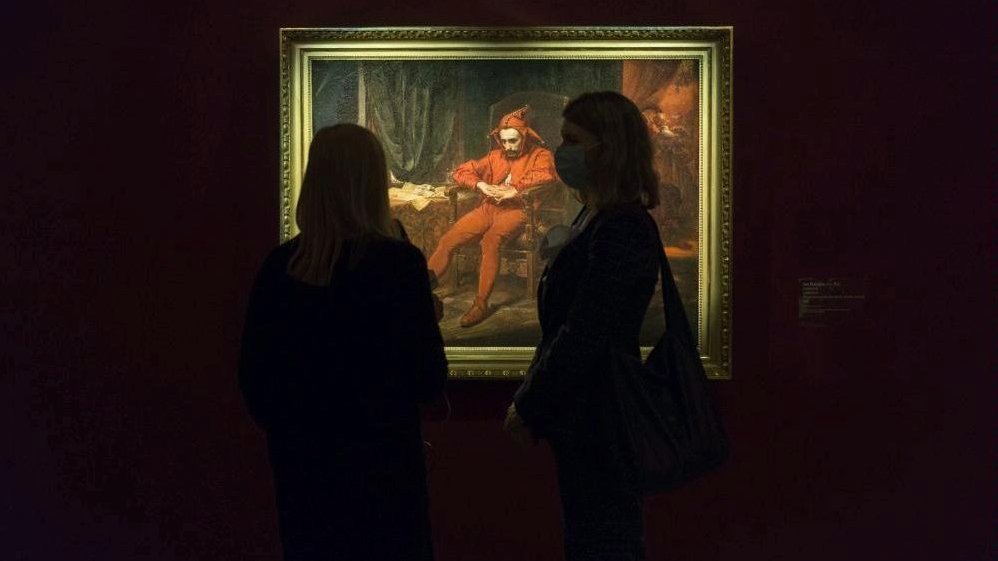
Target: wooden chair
[518,256]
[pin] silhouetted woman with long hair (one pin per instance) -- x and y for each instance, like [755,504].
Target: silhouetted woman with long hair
[592,298]
[340,346]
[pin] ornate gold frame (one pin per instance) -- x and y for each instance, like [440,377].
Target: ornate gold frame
[711,46]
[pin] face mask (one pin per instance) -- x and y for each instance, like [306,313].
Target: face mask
[570,163]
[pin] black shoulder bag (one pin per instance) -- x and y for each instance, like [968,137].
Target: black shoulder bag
[667,427]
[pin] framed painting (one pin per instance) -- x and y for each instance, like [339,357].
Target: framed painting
[445,100]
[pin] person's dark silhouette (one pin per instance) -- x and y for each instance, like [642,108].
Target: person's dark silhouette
[592,298]
[340,346]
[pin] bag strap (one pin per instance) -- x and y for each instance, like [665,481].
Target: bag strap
[675,314]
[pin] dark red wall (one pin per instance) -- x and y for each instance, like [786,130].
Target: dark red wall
[142,148]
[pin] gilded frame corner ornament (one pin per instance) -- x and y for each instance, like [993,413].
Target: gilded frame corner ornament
[710,46]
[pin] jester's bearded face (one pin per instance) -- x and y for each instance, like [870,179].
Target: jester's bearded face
[512,142]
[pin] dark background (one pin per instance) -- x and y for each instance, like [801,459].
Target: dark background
[140,195]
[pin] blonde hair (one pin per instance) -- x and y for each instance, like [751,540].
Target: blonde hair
[344,195]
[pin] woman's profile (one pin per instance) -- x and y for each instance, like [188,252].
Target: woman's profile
[592,299]
[340,345]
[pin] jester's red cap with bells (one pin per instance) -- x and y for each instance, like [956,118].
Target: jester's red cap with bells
[516,120]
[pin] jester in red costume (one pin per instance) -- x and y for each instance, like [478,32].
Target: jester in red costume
[518,162]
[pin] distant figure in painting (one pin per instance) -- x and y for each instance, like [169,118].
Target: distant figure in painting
[518,162]
[675,163]
[340,345]
[592,298]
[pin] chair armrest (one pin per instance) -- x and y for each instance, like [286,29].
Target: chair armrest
[536,190]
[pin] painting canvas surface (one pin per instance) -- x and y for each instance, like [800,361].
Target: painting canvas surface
[433,116]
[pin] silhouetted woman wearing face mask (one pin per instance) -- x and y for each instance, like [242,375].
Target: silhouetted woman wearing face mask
[340,345]
[593,296]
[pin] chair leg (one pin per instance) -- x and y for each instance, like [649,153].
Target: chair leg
[531,275]
[454,279]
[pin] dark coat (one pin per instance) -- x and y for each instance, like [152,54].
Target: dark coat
[593,296]
[334,375]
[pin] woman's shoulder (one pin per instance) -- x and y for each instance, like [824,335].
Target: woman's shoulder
[620,210]
[623,219]
[392,257]
[377,253]
[389,264]
[393,248]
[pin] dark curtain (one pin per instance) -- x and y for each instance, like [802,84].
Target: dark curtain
[334,92]
[413,109]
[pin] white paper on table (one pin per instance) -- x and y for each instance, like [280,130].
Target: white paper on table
[419,196]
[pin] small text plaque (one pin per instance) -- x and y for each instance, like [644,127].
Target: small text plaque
[831,301]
